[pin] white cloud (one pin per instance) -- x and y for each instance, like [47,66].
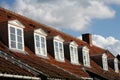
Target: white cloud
[109,43]
[64,14]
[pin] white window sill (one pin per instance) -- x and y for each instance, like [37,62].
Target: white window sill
[18,51]
[60,60]
[75,63]
[45,57]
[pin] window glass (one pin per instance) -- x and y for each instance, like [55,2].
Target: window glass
[19,32]
[40,45]
[12,36]
[13,44]
[74,54]
[86,58]
[19,39]
[105,64]
[20,46]
[58,46]
[16,38]
[43,45]
[37,37]
[37,44]
[12,30]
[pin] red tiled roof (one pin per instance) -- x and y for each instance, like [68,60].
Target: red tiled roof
[10,68]
[40,64]
[50,66]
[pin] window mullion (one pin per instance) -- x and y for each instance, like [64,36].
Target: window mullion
[22,36]
[74,54]
[40,45]
[62,55]
[59,50]
[45,46]
[16,35]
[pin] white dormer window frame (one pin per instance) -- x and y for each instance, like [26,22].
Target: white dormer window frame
[40,42]
[73,52]
[104,62]
[86,57]
[16,35]
[58,48]
[116,65]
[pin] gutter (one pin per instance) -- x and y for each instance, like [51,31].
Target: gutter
[19,76]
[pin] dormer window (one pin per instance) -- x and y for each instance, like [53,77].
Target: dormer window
[40,42]
[73,52]
[16,37]
[116,65]
[86,58]
[104,61]
[58,48]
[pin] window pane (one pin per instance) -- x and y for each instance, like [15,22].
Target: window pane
[19,32]
[42,42]
[60,47]
[16,38]
[20,46]
[37,44]
[43,45]
[105,65]
[61,55]
[13,44]
[12,36]
[43,51]
[56,47]
[56,50]
[38,50]
[42,39]
[71,53]
[71,48]
[12,30]
[19,38]
[76,55]
[37,37]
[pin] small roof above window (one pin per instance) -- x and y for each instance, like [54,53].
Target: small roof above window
[115,60]
[40,31]
[59,38]
[16,23]
[85,48]
[104,55]
[73,43]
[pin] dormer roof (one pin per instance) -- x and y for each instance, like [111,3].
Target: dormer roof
[59,38]
[16,23]
[73,43]
[40,31]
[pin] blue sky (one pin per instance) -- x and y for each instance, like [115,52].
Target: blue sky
[108,27]
[101,18]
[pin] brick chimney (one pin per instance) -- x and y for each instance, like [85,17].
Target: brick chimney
[87,38]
